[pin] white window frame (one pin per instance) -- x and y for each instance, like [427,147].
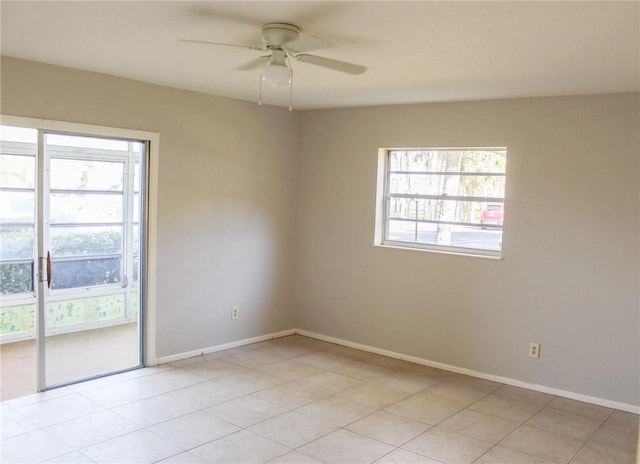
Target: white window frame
[382,209]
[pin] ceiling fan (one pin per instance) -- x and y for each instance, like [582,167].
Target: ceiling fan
[283,41]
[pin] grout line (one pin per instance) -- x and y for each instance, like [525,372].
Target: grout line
[592,435]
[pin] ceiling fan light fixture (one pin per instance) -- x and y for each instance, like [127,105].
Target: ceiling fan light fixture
[276,74]
[283,41]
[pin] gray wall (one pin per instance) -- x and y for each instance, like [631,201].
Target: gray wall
[570,273]
[241,185]
[226,195]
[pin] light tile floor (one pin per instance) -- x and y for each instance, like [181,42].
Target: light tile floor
[300,400]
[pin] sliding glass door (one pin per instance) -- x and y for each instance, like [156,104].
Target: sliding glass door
[71,262]
[91,229]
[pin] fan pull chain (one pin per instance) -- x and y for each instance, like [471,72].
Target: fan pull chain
[291,91]
[260,91]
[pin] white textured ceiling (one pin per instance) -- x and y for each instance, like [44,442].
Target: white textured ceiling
[414,51]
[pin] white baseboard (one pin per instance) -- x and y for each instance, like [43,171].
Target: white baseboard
[392,354]
[461,370]
[225,346]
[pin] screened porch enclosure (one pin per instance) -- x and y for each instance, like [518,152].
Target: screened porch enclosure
[70,210]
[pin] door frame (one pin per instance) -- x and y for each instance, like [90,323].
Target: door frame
[149,253]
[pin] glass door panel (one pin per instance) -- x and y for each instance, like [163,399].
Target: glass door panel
[91,308]
[18,150]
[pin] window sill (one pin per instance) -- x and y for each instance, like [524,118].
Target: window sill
[496,256]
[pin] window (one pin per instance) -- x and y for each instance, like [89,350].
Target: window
[446,199]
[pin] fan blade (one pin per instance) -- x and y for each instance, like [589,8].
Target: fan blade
[343,66]
[253,64]
[206,42]
[307,43]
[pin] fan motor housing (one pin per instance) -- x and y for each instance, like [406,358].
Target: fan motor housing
[278,34]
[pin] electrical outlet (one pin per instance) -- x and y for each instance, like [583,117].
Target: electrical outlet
[235,312]
[534,350]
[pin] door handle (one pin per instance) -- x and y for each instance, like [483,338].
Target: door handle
[48,269]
